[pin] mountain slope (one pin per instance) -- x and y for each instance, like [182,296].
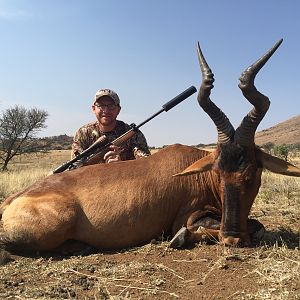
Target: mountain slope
[287,132]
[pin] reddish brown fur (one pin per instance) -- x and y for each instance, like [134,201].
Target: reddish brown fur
[112,206]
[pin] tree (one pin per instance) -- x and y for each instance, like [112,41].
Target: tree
[282,151]
[18,127]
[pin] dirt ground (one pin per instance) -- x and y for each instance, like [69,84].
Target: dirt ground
[147,273]
[152,272]
[269,270]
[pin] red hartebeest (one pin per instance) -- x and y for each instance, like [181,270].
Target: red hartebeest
[129,203]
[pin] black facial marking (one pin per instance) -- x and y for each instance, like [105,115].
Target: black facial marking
[231,210]
[233,158]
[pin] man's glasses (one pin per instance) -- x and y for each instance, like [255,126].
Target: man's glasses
[106,106]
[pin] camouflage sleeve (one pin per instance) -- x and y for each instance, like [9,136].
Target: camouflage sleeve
[78,144]
[140,146]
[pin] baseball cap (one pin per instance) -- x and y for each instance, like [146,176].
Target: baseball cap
[107,92]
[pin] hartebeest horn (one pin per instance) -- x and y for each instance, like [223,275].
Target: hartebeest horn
[245,133]
[224,127]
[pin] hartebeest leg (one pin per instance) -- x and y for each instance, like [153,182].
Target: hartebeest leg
[185,236]
[200,226]
[7,202]
[208,229]
[43,226]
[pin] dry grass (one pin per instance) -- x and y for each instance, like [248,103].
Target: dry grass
[44,160]
[278,269]
[27,169]
[277,262]
[269,271]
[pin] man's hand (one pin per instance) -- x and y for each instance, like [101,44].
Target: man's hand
[138,153]
[113,155]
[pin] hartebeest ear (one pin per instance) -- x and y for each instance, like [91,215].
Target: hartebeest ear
[277,165]
[201,165]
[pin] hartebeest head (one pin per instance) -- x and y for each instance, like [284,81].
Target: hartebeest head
[237,160]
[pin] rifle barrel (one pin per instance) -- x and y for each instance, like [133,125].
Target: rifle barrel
[167,106]
[185,94]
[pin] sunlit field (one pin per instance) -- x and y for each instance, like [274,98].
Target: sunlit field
[27,169]
[271,270]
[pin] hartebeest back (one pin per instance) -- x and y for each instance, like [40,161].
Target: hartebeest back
[128,203]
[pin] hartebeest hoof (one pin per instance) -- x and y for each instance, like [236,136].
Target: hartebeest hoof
[180,238]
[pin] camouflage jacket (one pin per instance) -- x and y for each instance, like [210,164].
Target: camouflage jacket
[86,135]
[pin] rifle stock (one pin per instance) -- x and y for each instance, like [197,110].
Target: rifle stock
[98,156]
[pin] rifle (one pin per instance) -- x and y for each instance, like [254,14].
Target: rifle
[100,146]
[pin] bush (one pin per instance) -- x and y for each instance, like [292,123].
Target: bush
[282,151]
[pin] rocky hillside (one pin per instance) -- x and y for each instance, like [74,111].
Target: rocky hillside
[287,132]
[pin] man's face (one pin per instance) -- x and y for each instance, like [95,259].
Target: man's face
[106,111]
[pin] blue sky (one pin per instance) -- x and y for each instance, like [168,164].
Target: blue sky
[56,54]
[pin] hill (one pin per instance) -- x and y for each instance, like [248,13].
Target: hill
[59,142]
[287,132]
